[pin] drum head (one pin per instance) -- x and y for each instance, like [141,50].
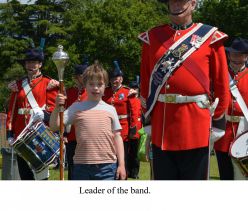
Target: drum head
[239,147]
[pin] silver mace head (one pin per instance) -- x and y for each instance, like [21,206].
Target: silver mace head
[60,59]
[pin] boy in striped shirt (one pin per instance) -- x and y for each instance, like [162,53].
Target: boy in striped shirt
[99,153]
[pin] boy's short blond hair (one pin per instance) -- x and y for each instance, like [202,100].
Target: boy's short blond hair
[95,71]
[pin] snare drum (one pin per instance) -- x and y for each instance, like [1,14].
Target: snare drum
[37,145]
[239,151]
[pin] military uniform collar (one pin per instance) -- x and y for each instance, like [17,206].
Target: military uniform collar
[236,72]
[180,27]
[116,90]
[35,77]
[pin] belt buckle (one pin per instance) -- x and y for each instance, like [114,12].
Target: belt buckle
[170,98]
[235,119]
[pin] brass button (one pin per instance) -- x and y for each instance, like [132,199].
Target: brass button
[167,86]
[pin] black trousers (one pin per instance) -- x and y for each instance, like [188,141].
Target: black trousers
[180,165]
[70,151]
[24,170]
[132,162]
[225,165]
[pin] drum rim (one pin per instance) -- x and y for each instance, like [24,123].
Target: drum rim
[231,144]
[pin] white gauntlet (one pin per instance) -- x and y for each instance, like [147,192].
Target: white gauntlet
[37,114]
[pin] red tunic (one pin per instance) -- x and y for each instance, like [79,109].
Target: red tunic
[136,116]
[125,107]
[73,95]
[231,129]
[44,96]
[184,126]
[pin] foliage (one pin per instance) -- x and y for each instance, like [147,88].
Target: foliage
[108,30]
[100,29]
[230,16]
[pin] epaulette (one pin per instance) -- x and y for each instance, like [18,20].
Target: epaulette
[46,76]
[52,84]
[218,35]
[144,37]
[19,80]
[13,85]
[126,87]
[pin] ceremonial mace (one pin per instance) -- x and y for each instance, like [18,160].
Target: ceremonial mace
[60,58]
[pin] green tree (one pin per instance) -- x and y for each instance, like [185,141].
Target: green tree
[101,29]
[22,26]
[230,16]
[108,30]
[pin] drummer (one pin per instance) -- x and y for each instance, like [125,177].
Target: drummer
[32,89]
[237,55]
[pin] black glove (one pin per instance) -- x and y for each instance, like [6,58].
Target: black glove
[132,131]
[46,116]
[220,123]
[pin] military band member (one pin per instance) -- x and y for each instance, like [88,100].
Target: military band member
[179,60]
[44,90]
[118,96]
[237,55]
[74,94]
[134,141]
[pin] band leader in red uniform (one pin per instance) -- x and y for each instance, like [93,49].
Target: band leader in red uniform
[179,60]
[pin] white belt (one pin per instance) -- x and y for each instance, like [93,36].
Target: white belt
[176,98]
[123,116]
[22,111]
[230,118]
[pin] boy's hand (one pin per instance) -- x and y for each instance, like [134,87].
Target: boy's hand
[60,100]
[121,173]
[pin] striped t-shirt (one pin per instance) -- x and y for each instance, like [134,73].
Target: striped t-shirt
[94,124]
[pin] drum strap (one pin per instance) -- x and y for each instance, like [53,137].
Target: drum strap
[238,97]
[29,94]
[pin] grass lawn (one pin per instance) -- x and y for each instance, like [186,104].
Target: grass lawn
[144,171]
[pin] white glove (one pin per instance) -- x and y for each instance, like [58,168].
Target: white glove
[215,135]
[213,106]
[37,114]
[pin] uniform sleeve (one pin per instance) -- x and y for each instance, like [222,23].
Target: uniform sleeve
[135,115]
[220,82]
[144,76]
[50,99]
[12,110]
